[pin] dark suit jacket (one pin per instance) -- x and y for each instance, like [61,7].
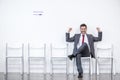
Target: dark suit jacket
[91,40]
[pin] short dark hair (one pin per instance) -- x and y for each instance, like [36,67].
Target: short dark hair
[83,25]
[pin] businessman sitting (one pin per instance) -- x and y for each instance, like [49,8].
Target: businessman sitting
[83,45]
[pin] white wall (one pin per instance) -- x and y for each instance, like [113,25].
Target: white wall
[19,25]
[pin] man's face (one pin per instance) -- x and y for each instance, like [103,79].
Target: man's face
[83,29]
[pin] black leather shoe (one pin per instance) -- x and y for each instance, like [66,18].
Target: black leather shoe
[80,75]
[70,57]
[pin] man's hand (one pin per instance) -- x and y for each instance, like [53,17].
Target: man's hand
[70,29]
[98,29]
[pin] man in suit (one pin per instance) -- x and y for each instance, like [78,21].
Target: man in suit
[83,45]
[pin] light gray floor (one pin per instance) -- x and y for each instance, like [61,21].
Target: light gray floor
[16,76]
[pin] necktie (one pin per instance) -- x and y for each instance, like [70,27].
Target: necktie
[83,38]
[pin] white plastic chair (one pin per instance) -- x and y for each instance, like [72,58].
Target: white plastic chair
[59,61]
[37,61]
[14,60]
[104,58]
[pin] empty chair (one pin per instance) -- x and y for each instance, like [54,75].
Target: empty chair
[59,61]
[36,62]
[104,60]
[14,62]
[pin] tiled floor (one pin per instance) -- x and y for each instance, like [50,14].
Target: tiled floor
[59,77]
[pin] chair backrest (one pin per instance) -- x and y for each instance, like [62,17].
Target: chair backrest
[14,50]
[105,51]
[58,51]
[36,51]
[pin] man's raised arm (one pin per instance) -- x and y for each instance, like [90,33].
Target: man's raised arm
[68,38]
[99,38]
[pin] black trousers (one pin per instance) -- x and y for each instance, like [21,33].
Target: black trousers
[83,51]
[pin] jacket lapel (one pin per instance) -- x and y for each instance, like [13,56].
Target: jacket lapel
[78,38]
[88,38]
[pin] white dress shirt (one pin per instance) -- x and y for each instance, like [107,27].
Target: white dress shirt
[85,40]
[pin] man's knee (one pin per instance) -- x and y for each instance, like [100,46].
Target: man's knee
[84,44]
